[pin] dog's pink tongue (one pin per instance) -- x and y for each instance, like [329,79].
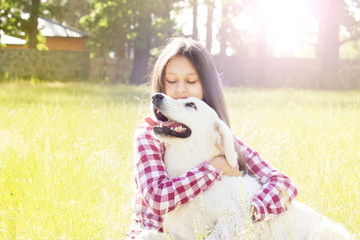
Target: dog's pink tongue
[151,122]
[154,123]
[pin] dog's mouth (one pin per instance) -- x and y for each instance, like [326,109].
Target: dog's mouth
[167,127]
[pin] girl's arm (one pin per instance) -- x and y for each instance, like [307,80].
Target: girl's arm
[277,191]
[159,193]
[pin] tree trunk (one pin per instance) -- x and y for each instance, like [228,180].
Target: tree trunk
[221,63]
[119,42]
[195,13]
[33,24]
[224,28]
[210,15]
[0,24]
[261,52]
[328,57]
[328,44]
[165,15]
[139,70]
[142,50]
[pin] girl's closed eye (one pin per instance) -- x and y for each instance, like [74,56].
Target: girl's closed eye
[192,81]
[170,81]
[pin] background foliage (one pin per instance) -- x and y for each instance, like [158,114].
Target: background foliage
[46,65]
[135,29]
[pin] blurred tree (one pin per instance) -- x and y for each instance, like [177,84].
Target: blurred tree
[261,54]
[224,27]
[112,24]
[153,25]
[230,37]
[75,9]
[195,5]
[259,9]
[209,22]
[329,16]
[14,22]
[332,15]
[33,23]
[10,17]
[351,21]
[142,42]
[57,10]
[68,11]
[350,29]
[107,23]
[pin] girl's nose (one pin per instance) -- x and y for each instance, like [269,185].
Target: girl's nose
[181,86]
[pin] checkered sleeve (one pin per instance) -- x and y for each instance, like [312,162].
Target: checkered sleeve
[277,191]
[159,193]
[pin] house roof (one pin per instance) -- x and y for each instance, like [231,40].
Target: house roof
[47,28]
[6,39]
[50,28]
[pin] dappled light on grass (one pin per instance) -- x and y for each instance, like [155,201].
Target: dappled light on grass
[311,136]
[66,153]
[65,161]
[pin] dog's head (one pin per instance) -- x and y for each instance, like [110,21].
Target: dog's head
[191,120]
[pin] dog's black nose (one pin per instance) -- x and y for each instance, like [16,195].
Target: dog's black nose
[158,97]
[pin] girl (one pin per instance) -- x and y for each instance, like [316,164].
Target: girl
[186,69]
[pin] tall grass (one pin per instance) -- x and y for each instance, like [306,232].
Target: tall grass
[66,153]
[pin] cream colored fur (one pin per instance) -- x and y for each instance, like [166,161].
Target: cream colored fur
[223,211]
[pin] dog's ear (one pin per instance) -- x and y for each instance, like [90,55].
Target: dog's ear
[225,142]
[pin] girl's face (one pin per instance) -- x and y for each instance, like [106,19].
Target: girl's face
[182,80]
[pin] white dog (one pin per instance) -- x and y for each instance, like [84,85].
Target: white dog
[193,133]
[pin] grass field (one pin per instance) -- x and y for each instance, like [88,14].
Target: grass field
[66,153]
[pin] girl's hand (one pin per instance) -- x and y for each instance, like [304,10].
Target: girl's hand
[254,214]
[220,163]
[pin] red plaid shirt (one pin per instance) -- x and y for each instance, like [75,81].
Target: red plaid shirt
[156,194]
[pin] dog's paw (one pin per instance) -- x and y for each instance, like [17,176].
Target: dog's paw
[232,157]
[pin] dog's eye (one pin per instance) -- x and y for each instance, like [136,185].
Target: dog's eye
[191,104]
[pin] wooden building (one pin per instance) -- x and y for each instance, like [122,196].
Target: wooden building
[58,37]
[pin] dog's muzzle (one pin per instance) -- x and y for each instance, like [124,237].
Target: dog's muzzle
[167,126]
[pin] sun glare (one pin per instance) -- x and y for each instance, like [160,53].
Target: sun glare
[288,25]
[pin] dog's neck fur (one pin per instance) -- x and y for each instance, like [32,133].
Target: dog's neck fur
[192,155]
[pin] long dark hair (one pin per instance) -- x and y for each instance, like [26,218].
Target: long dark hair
[204,64]
[205,67]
